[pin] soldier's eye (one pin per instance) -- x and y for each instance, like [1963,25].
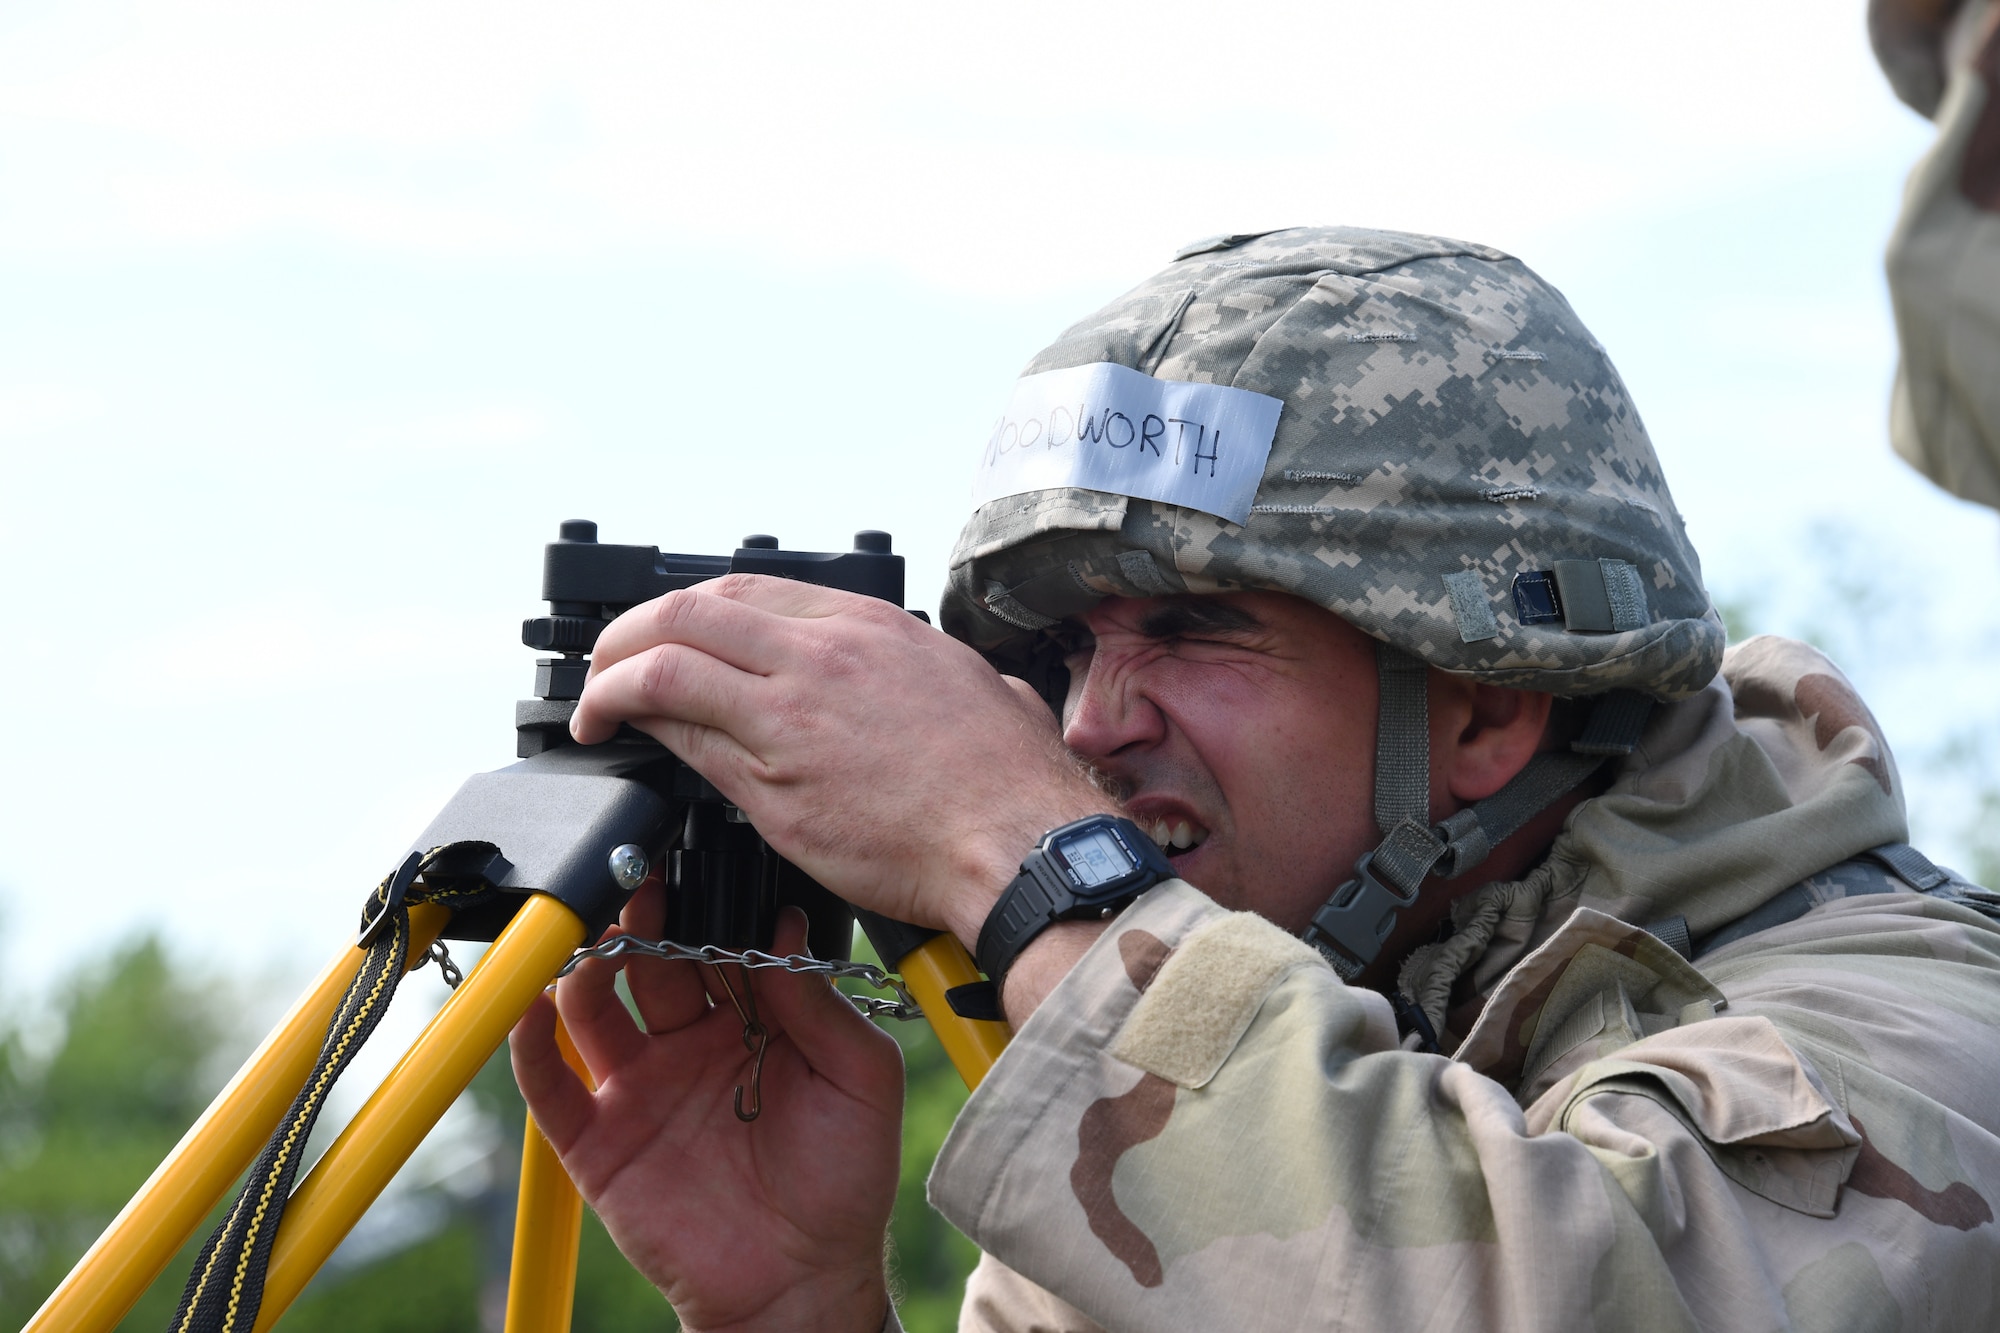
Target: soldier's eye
[1069,640]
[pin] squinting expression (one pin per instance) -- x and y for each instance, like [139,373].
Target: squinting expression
[1240,729]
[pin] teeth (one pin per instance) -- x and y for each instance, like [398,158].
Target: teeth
[1177,836]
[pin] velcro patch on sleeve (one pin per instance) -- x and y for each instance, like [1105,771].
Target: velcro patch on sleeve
[1202,1000]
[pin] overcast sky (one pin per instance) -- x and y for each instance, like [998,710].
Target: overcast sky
[316,319]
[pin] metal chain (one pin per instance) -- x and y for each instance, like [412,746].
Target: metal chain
[903,1008]
[447,969]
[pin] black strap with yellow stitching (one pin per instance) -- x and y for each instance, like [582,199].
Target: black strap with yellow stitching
[226,1288]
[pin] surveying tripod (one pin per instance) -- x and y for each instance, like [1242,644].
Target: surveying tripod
[537,858]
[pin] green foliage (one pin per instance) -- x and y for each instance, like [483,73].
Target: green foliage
[82,1128]
[1741,614]
[931,1259]
[1972,760]
[455,1281]
[1986,847]
[431,1287]
[610,1294]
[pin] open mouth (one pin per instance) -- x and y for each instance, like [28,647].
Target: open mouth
[1176,835]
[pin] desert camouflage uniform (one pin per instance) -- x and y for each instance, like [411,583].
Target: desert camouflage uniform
[1944,260]
[1203,1128]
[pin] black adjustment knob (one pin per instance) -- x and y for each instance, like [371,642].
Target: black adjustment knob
[577,530]
[758,541]
[871,541]
[561,634]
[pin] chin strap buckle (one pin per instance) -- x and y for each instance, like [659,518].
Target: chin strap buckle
[1350,929]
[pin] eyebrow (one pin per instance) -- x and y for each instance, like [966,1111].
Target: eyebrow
[1198,615]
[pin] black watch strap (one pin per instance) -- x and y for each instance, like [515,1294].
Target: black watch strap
[1051,887]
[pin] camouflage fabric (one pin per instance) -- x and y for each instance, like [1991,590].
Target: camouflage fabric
[1448,425]
[1910,38]
[1944,282]
[1203,1128]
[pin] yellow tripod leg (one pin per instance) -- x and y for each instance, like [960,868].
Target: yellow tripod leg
[931,969]
[418,1091]
[548,1223]
[217,1149]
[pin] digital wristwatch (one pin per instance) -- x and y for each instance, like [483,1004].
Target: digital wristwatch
[1091,868]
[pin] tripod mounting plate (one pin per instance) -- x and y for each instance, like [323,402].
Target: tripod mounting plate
[556,819]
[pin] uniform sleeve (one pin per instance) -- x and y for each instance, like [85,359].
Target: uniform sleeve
[1202,1127]
[1944,283]
[999,1300]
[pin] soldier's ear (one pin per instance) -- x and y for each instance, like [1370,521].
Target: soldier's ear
[1482,735]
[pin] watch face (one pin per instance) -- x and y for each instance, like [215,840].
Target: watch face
[1094,857]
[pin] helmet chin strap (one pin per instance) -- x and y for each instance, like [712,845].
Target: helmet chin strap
[1350,929]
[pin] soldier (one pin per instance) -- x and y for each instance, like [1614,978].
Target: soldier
[1510,955]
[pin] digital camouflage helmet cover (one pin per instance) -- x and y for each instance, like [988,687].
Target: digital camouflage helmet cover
[1457,470]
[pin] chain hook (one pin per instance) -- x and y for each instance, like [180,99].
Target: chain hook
[755,1039]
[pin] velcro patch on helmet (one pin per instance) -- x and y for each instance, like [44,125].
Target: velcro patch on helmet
[1600,596]
[1107,427]
[1469,606]
[1588,596]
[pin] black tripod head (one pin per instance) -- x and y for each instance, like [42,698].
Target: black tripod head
[590,824]
[588,584]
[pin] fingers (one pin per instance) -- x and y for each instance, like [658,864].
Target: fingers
[560,1103]
[689,655]
[741,618]
[667,995]
[645,912]
[672,681]
[747,636]
[598,1021]
[694,655]
[838,1042]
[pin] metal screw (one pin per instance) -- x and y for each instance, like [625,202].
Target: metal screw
[629,866]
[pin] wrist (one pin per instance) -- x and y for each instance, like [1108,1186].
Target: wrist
[854,1301]
[989,863]
[1041,966]
[1086,869]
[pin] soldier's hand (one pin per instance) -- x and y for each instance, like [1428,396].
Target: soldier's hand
[775,1224]
[889,761]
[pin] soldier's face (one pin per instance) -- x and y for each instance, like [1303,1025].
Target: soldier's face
[1241,730]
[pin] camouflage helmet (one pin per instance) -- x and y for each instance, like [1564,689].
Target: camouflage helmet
[1456,469]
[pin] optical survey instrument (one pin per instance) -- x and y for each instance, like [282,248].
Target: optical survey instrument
[537,858]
